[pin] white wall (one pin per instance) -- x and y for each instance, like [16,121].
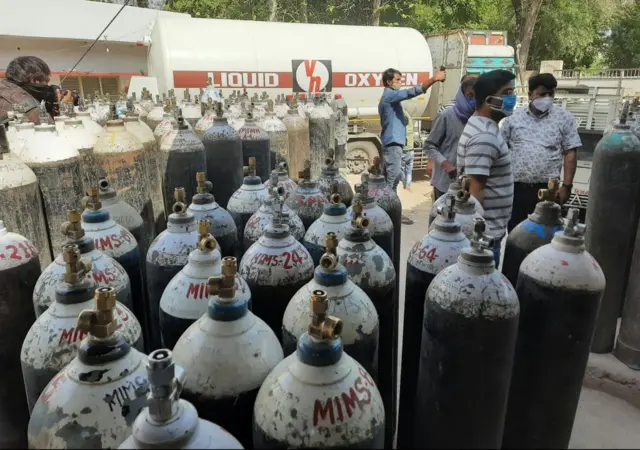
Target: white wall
[62,54]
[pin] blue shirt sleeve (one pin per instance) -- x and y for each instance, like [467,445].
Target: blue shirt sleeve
[395,96]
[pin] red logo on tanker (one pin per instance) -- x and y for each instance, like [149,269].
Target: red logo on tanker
[307,75]
[311,75]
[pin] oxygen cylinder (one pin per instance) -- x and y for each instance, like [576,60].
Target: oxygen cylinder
[341,133]
[122,159]
[89,124]
[105,270]
[560,286]
[123,214]
[381,227]
[179,304]
[275,268]
[19,272]
[289,186]
[206,121]
[223,227]
[157,218]
[460,183]
[223,150]
[169,422]
[145,106]
[20,202]
[167,124]
[330,174]
[228,352]
[261,219]
[59,122]
[53,340]
[466,210]
[298,134]
[181,155]
[320,137]
[156,114]
[468,341]
[278,137]
[334,220]
[167,255]
[319,396]
[56,164]
[281,108]
[117,242]
[247,200]
[93,401]
[307,201]
[360,325]
[83,141]
[611,221]
[440,248]
[255,144]
[210,93]
[534,232]
[24,132]
[371,268]
[191,111]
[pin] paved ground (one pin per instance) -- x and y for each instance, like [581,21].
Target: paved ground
[603,421]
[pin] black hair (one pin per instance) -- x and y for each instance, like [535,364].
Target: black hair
[468,76]
[387,76]
[25,69]
[490,83]
[546,80]
[469,82]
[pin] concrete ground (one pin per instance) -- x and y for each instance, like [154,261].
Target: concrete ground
[608,414]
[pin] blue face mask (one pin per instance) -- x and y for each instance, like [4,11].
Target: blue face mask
[508,104]
[472,103]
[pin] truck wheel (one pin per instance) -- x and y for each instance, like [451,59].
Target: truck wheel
[360,156]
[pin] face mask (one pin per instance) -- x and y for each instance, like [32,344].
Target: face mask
[542,104]
[44,92]
[472,103]
[508,104]
[395,86]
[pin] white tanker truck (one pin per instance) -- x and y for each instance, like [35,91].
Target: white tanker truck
[281,58]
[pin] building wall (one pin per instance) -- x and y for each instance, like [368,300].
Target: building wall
[102,70]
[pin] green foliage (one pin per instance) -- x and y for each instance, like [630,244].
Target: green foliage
[623,45]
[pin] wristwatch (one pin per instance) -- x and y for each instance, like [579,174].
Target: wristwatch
[568,186]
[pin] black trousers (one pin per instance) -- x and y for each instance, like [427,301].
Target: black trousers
[525,198]
[437,194]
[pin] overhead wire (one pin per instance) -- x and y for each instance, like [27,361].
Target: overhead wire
[96,40]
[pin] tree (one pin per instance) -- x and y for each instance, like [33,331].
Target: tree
[526,15]
[623,44]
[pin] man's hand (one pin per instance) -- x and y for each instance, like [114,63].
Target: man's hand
[563,194]
[440,75]
[449,168]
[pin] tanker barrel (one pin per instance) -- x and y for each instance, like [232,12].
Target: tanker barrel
[166,381]
[323,328]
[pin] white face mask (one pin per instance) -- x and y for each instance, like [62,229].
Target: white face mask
[543,104]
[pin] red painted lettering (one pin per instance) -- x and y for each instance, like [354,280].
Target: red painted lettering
[366,376]
[350,401]
[71,336]
[14,252]
[431,255]
[339,407]
[53,386]
[124,316]
[320,412]
[362,390]
[103,242]
[287,260]
[117,242]
[100,277]
[193,291]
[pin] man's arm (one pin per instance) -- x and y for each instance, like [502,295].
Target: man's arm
[476,187]
[434,141]
[393,96]
[571,144]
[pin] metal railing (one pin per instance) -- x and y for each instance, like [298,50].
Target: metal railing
[578,74]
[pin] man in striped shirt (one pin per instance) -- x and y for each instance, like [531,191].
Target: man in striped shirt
[484,156]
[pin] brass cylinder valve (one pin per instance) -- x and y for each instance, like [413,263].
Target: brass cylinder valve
[179,207]
[357,219]
[202,185]
[92,199]
[305,174]
[334,197]
[329,260]
[166,381]
[75,269]
[219,111]
[549,194]
[206,242]
[322,326]
[100,322]
[72,228]
[279,218]
[224,286]
[479,240]
[250,170]
[376,167]
[329,161]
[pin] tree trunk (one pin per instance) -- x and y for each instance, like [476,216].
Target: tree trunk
[303,11]
[526,12]
[375,13]
[273,10]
